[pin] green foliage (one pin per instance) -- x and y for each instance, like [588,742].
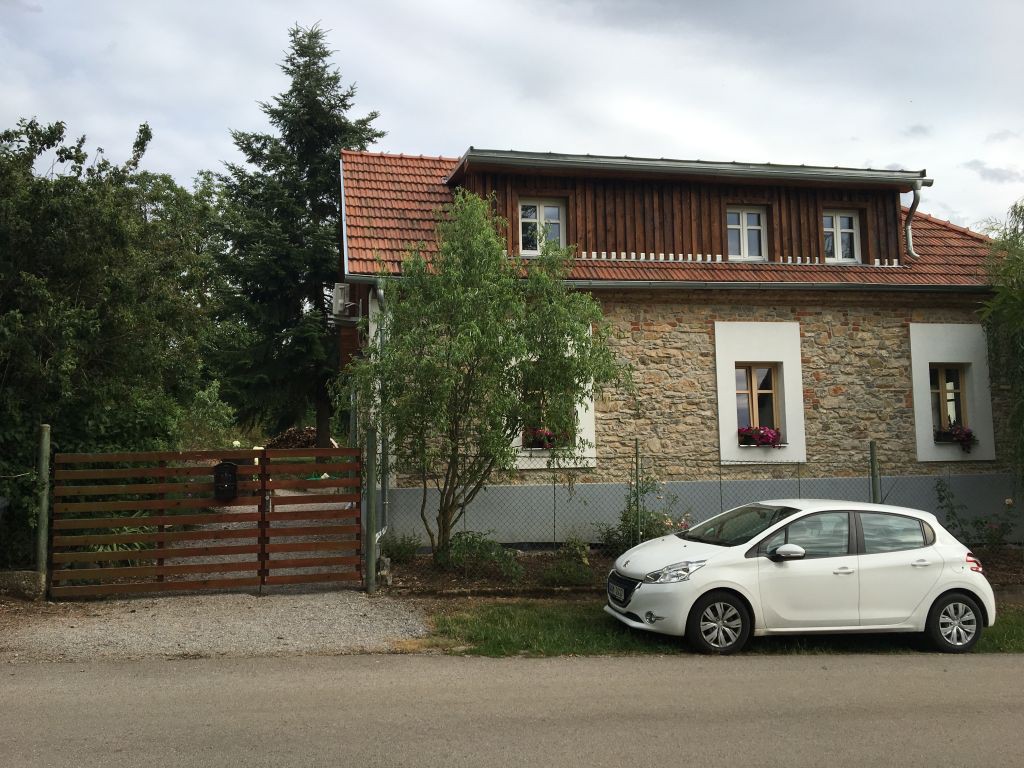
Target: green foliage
[280,221]
[988,531]
[103,308]
[1004,320]
[649,512]
[399,549]
[477,552]
[572,565]
[473,347]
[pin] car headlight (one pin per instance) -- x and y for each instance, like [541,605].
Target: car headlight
[675,572]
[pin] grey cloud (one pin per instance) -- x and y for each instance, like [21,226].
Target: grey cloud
[1004,135]
[917,131]
[992,173]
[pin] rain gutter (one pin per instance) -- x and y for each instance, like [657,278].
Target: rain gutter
[910,217]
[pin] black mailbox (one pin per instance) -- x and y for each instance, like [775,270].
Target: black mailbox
[225,481]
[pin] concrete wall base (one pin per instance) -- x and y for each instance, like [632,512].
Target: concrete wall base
[30,585]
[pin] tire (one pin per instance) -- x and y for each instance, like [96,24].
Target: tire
[954,623]
[719,623]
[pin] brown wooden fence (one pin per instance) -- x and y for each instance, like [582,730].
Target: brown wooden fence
[149,522]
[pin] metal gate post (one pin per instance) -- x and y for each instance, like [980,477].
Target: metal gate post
[264,523]
[43,513]
[371,511]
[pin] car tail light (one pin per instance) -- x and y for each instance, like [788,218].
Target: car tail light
[973,563]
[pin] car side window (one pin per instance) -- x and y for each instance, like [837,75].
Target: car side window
[890,533]
[826,534]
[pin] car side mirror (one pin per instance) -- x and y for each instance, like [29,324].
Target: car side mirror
[788,552]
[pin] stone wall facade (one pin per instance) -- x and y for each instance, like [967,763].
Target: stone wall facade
[855,350]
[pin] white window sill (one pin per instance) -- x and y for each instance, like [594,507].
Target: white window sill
[748,259]
[778,445]
[538,458]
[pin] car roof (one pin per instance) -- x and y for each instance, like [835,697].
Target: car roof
[821,505]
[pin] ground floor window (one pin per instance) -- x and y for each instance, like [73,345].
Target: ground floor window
[948,396]
[756,395]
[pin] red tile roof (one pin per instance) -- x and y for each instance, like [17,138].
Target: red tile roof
[391,203]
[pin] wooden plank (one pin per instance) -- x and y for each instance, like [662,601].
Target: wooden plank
[155,554]
[82,507]
[147,488]
[141,456]
[315,546]
[678,244]
[95,590]
[65,524]
[620,244]
[308,514]
[312,562]
[108,574]
[309,467]
[107,474]
[319,498]
[312,530]
[312,578]
[147,538]
[284,453]
[340,482]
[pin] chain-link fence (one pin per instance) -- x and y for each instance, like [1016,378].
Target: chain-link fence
[625,499]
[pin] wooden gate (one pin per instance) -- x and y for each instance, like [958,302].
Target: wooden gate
[150,522]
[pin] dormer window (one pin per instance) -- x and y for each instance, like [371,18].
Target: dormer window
[746,234]
[842,237]
[539,219]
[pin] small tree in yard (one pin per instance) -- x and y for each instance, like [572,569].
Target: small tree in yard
[473,349]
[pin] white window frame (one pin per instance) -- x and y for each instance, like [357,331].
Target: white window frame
[538,458]
[777,343]
[837,236]
[743,228]
[541,222]
[965,345]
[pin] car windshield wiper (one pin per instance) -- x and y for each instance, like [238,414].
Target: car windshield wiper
[701,539]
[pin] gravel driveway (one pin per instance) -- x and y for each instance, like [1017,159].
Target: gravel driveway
[206,625]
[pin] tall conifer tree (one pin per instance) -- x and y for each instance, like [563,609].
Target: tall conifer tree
[282,227]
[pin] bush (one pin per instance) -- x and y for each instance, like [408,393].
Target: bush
[473,550]
[640,521]
[399,549]
[990,531]
[572,565]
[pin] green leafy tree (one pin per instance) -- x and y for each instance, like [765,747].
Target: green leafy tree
[1004,318]
[102,307]
[471,349]
[281,223]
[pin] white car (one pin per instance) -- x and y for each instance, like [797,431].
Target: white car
[801,565]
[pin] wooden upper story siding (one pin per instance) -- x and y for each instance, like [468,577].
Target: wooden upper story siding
[688,217]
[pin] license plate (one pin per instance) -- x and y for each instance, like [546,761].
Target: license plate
[616,591]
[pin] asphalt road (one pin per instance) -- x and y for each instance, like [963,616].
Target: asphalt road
[885,710]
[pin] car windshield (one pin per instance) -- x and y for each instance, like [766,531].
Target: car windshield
[737,526]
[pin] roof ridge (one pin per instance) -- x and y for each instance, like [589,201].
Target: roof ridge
[398,155]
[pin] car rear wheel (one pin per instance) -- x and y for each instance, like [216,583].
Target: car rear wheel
[719,622]
[954,623]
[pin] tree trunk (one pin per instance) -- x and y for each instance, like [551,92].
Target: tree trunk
[323,416]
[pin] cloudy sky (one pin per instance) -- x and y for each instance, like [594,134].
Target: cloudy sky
[879,84]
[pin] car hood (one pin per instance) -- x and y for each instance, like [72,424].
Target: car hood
[655,554]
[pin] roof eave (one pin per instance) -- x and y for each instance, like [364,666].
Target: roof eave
[904,181]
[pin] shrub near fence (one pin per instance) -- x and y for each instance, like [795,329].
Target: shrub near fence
[542,509]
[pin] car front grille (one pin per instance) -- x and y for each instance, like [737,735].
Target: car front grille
[626,584]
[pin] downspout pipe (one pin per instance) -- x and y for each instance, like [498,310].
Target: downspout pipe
[910,215]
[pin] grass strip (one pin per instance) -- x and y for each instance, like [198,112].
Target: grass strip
[581,628]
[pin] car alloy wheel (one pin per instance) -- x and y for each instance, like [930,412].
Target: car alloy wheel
[954,623]
[719,622]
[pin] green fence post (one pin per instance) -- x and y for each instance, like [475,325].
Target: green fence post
[371,511]
[43,512]
[876,480]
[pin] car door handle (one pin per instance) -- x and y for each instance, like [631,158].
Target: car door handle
[920,564]
[844,571]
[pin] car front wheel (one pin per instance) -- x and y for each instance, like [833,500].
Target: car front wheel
[719,622]
[954,623]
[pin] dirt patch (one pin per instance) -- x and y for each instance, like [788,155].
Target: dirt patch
[540,574]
